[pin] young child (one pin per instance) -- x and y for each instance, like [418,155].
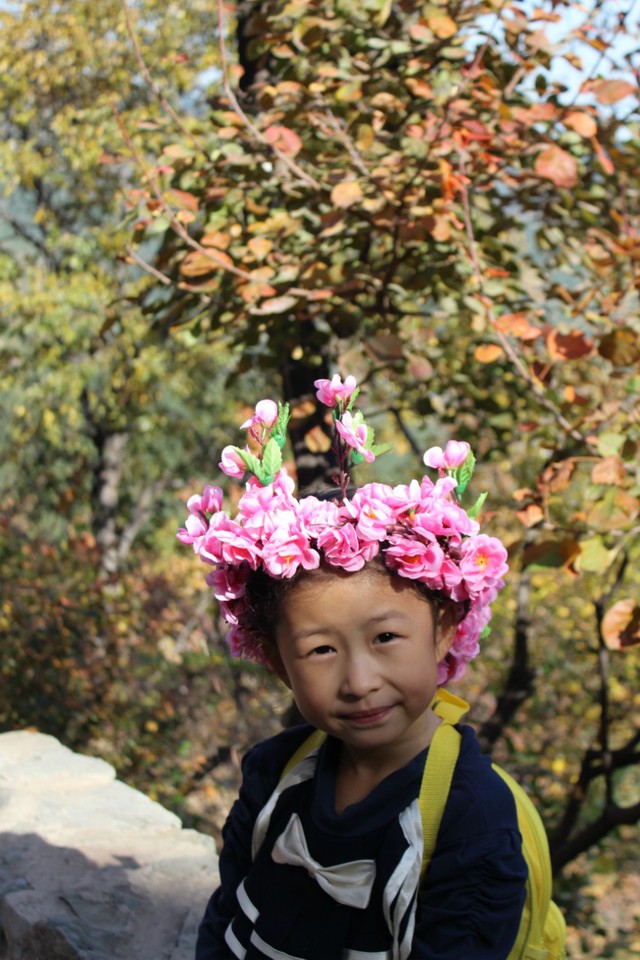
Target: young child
[363,605]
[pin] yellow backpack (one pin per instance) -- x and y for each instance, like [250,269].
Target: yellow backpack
[542,931]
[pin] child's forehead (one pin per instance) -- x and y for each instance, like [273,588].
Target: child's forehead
[325,579]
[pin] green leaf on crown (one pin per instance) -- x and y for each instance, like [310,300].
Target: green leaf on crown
[463,473]
[279,429]
[250,460]
[477,507]
[271,459]
[379,448]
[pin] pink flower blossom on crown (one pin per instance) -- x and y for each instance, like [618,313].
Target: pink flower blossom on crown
[209,501]
[232,463]
[416,560]
[443,518]
[228,583]
[341,548]
[331,392]
[315,515]
[483,562]
[355,435]
[286,551]
[372,511]
[193,531]
[265,415]
[454,455]
[227,543]
[257,496]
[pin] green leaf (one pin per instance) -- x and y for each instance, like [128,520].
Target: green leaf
[380,448]
[271,457]
[463,473]
[249,459]
[477,507]
[279,429]
[594,556]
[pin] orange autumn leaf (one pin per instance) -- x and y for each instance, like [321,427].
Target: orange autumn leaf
[530,515]
[285,140]
[604,159]
[568,346]
[487,352]
[558,166]
[517,325]
[197,263]
[609,471]
[610,91]
[582,123]
[621,625]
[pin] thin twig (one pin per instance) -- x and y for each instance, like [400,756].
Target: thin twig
[162,277]
[153,86]
[255,132]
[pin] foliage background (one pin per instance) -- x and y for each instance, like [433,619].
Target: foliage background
[202,205]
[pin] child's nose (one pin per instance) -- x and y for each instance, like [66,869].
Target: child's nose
[361,676]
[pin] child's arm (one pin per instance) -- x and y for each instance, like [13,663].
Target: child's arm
[261,769]
[235,857]
[472,902]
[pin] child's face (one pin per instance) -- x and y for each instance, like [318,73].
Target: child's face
[360,655]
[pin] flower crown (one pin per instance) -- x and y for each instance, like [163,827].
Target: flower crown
[419,529]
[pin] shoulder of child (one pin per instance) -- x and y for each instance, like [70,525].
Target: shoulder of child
[266,760]
[479,801]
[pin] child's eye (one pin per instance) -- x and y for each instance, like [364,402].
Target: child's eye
[322,651]
[385,637]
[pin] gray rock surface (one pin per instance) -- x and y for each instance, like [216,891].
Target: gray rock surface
[91,869]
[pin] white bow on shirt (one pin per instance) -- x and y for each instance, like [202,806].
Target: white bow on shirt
[349,883]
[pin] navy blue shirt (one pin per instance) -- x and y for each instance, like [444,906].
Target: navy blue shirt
[467,908]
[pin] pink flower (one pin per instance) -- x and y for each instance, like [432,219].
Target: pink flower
[228,583]
[442,518]
[315,515]
[355,434]
[227,543]
[454,455]
[483,562]
[285,551]
[372,511]
[193,531]
[341,548]
[416,560]
[209,501]
[232,463]
[331,392]
[266,414]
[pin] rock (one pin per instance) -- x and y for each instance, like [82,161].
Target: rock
[91,869]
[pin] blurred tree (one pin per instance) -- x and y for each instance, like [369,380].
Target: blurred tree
[416,193]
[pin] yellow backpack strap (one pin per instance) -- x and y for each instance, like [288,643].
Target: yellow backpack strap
[436,781]
[449,707]
[311,743]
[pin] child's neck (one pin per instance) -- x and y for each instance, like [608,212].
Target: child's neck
[360,771]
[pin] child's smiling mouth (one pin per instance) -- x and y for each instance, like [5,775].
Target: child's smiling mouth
[365,718]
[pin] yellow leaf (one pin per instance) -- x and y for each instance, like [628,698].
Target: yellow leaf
[346,193]
[260,247]
[442,25]
[487,352]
